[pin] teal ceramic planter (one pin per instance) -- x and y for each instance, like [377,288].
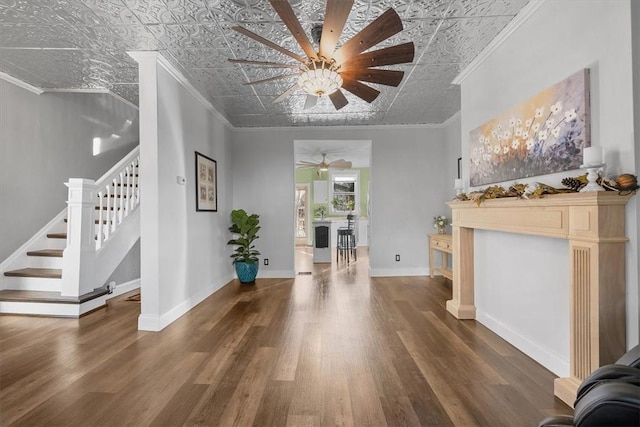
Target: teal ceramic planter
[247,272]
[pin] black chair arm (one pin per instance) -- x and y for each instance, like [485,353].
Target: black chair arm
[609,404]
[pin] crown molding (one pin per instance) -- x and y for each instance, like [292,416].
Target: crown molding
[75,90]
[24,85]
[180,78]
[125,101]
[522,17]
[356,127]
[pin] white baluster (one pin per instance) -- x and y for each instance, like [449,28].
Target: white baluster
[100,233]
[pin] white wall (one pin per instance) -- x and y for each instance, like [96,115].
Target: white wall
[558,39]
[409,186]
[184,255]
[45,140]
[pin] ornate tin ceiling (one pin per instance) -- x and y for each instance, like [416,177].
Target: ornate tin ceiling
[82,44]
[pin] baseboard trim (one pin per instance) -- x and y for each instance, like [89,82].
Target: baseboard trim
[276,274]
[157,323]
[398,272]
[123,288]
[551,361]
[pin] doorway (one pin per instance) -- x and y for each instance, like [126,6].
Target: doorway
[321,168]
[302,215]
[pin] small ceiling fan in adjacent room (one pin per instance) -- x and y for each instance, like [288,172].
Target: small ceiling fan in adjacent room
[328,70]
[324,166]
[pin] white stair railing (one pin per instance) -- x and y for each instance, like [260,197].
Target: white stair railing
[95,212]
[118,194]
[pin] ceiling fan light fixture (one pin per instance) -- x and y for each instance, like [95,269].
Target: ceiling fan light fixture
[320,78]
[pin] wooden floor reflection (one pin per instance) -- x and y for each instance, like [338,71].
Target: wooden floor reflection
[334,347]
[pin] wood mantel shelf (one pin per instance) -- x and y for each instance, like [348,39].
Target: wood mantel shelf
[593,223]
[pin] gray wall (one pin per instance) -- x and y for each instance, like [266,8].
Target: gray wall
[45,140]
[184,256]
[410,184]
[635,51]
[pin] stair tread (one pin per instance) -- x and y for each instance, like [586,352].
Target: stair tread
[46,273]
[56,253]
[57,235]
[48,296]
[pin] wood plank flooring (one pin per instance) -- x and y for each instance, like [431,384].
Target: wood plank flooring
[332,348]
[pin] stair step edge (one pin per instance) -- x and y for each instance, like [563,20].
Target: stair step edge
[49,297]
[55,253]
[39,273]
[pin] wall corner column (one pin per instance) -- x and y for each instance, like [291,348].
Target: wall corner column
[150,278]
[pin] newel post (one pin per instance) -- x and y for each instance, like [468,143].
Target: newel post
[79,256]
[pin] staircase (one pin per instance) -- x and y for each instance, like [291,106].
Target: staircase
[62,269]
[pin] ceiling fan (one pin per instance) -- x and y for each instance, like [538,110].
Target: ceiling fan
[323,166]
[327,71]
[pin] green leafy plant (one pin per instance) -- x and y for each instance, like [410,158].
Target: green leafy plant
[320,210]
[246,227]
[342,204]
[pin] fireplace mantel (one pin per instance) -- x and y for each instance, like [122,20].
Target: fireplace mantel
[593,223]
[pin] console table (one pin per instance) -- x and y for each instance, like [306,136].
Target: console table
[443,244]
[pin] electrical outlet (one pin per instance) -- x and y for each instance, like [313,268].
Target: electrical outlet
[266,261]
[397,257]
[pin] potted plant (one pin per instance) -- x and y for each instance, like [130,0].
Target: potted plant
[245,256]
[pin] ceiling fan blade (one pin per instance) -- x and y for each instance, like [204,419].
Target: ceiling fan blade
[335,16]
[286,94]
[262,63]
[278,77]
[373,75]
[360,90]
[340,164]
[385,26]
[338,99]
[399,54]
[310,102]
[266,42]
[307,163]
[288,16]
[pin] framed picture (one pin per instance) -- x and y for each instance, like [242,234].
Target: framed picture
[206,183]
[543,135]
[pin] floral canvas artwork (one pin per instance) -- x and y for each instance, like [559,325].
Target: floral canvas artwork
[545,134]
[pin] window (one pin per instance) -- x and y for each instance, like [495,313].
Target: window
[344,191]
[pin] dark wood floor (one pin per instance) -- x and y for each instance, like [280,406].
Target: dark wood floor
[332,348]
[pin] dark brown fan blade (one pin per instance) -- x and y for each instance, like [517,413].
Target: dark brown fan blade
[374,75]
[360,90]
[262,63]
[385,26]
[288,16]
[399,54]
[335,16]
[266,42]
[338,99]
[278,77]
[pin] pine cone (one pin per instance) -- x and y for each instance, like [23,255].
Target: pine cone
[573,183]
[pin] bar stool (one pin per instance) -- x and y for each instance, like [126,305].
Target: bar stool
[346,241]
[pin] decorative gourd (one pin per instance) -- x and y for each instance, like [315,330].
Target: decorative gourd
[626,181]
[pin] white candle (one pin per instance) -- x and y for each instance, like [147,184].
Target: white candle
[457,184]
[592,156]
